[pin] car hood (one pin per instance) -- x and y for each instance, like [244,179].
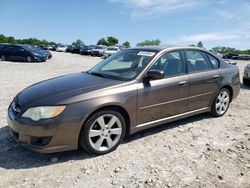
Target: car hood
[55,90]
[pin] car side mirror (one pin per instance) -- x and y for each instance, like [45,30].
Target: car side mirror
[155,74]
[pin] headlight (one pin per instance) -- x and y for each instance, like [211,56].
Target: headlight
[43,112]
[36,54]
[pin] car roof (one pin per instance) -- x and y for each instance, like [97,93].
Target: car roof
[165,47]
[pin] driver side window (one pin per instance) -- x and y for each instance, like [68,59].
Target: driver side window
[171,63]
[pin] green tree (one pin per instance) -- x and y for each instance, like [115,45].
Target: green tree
[126,44]
[78,42]
[11,40]
[3,39]
[34,41]
[200,44]
[112,41]
[102,41]
[149,43]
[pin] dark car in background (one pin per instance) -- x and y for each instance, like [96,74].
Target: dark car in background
[244,57]
[52,47]
[132,90]
[86,50]
[230,56]
[70,48]
[76,49]
[246,75]
[21,52]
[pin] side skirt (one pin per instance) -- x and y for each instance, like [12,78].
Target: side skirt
[154,123]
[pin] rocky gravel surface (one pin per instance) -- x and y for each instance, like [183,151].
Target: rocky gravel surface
[200,151]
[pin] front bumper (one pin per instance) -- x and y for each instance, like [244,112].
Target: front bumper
[40,58]
[47,136]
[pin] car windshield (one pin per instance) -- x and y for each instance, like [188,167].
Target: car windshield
[123,65]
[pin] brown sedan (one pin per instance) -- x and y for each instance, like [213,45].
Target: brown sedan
[132,90]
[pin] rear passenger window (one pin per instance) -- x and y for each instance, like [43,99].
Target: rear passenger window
[197,61]
[214,61]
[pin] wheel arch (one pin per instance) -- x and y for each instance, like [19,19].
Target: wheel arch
[230,89]
[118,108]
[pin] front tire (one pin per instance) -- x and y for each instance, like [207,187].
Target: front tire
[103,132]
[221,103]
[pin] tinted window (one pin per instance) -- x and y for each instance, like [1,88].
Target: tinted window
[172,63]
[214,61]
[197,61]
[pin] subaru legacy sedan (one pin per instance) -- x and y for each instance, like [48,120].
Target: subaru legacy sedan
[130,91]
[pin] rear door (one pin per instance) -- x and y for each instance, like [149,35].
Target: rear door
[159,99]
[204,78]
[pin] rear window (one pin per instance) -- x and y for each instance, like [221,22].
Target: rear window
[197,61]
[213,61]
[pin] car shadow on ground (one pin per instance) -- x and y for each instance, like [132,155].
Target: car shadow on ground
[15,156]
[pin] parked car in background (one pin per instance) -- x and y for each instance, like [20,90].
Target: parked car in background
[111,50]
[130,91]
[246,75]
[52,47]
[244,57]
[76,50]
[230,56]
[61,48]
[45,49]
[69,48]
[21,53]
[86,50]
[98,50]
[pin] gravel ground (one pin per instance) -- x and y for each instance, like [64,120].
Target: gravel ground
[200,151]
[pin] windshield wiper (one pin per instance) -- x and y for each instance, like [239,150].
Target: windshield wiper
[97,74]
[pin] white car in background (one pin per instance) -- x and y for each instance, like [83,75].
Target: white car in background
[61,48]
[111,50]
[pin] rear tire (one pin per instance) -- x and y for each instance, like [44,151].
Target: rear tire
[246,82]
[103,132]
[3,58]
[221,103]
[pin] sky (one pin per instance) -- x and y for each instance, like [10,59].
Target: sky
[177,22]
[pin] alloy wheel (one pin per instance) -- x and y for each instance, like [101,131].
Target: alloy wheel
[222,102]
[105,132]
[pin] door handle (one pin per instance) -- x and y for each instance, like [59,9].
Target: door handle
[182,83]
